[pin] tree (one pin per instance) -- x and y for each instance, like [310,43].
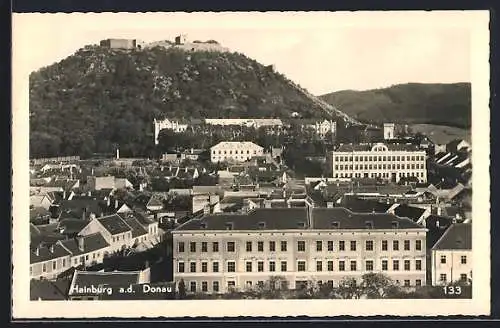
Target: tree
[349,289]
[181,289]
[378,285]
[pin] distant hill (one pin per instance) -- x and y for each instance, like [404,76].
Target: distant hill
[101,97]
[442,104]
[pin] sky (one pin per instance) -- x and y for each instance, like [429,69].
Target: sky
[323,52]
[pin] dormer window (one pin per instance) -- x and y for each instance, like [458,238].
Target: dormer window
[262,225]
[229,226]
[203,225]
[335,224]
[394,224]
[369,224]
[301,224]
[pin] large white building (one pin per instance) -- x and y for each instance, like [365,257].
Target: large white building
[451,258]
[236,151]
[248,122]
[220,252]
[168,124]
[390,162]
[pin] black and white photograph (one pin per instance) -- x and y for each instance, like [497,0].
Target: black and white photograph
[273,163]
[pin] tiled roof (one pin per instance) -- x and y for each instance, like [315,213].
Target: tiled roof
[46,290]
[436,226]
[296,218]
[71,226]
[457,236]
[355,204]
[45,253]
[88,278]
[368,147]
[114,224]
[235,144]
[75,207]
[91,243]
[413,213]
[137,228]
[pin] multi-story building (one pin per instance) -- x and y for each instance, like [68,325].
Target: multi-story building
[219,252]
[451,257]
[168,124]
[390,162]
[235,151]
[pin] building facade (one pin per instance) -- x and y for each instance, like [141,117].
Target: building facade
[389,162]
[119,43]
[235,151]
[220,252]
[168,124]
[451,257]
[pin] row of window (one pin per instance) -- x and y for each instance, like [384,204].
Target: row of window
[379,167]
[301,246]
[443,278]
[193,285]
[463,259]
[379,158]
[223,158]
[378,175]
[236,152]
[369,265]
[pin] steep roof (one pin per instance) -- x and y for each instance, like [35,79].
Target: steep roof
[48,290]
[137,228]
[296,218]
[457,236]
[46,253]
[91,243]
[114,224]
[411,212]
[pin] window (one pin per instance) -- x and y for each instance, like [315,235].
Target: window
[407,283]
[283,246]
[341,265]
[230,246]
[215,286]
[204,267]
[353,265]
[418,245]
[319,246]
[443,259]
[463,277]
[192,247]
[369,265]
[64,261]
[260,246]
[319,266]
[330,246]
[283,266]
[231,266]
[407,265]
[418,282]
[215,246]
[301,246]
[260,266]
[192,286]
[180,267]
[215,267]
[442,277]
[353,245]
[204,286]
[301,266]
[192,267]
[272,246]
[249,246]
[54,265]
[249,266]
[369,245]
[204,247]
[86,257]
[395,265]
[406,245]
[395,245]
[329,265]
[180,247]
[418,265]
[384,265]
[341,245]
[384,245]
[272,266]
[463,259]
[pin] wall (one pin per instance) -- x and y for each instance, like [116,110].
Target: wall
[453,266]
[62,264]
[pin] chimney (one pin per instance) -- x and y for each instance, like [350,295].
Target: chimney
[64,194]
[206,209]
[117,153]
[84,213]
[185,169]
[92,216]
[437,223]
[192,150]
[89,193]
[51,248]
[161,168]
[37,251]
[108,201]
[116,203]
[80,241]
[329,204]
[92,172]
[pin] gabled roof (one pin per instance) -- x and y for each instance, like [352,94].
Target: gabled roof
[91,243]
[47,253]
[114,224]
[72,226]
[46,290]
[457,236]
[137,228]
[411,212]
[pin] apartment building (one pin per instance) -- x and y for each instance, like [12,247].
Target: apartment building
[390,162]
[220,252]
[235,151]
[451,257]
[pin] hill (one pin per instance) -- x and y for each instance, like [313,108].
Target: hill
[100,97]
[441,104]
